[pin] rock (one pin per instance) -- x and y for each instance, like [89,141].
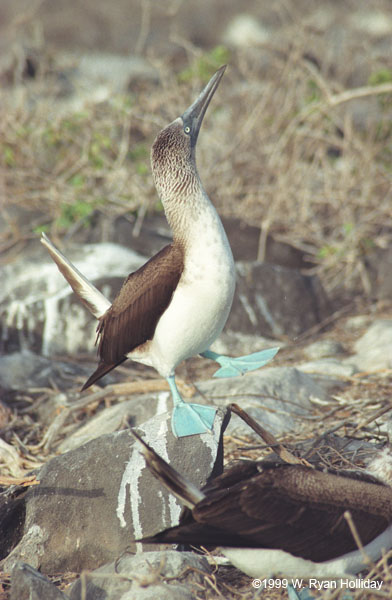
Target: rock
[154,233]
[267,299]
[384,275]
[24,370]
[329,366]
[145,569]
[95,76]
[246,30]
[93,501]
[357,322]
[135,411]
[114,71]
[21,370]
[245,239]
[39,309]
[161,591]
[371,21]
[29,584]
[235,343]
[29,548]
[374,348]
[379,271]
[12,517]
[279,398]
[323,348]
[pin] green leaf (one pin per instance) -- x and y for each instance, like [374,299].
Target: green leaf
[205,66]
[77,180]
[380,76]
[9,156]
[41,229]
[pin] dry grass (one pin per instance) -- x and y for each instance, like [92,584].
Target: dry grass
[279,148]
[356,411]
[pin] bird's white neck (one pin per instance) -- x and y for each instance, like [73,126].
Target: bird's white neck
[193,216]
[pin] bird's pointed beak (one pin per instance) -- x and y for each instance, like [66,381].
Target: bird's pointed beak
[193,116]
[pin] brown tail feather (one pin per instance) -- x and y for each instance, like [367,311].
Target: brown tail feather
[174,481]
[101,370]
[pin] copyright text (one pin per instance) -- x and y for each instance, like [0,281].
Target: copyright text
[317,584]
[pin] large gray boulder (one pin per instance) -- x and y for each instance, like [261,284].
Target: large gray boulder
[272,300]
[279,398]
[373,350]
[92,502]
[39,310]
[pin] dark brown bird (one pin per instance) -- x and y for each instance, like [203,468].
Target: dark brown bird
[281,519]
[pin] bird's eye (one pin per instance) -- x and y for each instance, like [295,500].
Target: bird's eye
[187,129]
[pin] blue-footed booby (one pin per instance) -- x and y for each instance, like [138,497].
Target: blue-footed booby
[275,519]
[176,305]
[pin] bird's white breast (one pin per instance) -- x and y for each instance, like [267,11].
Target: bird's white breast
[202,300]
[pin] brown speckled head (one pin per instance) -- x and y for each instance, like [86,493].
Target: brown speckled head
[173,152]
[173,163]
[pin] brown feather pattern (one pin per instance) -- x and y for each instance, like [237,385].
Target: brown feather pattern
[135,312]
[175,174]
[287,507]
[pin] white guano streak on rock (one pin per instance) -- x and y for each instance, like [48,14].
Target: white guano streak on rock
[47,285]
[156,438]
[50,322]
[174,506]
[248,309]
[163,397]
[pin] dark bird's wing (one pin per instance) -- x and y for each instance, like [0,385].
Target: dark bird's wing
[134,314]
[287,507]
[299,510]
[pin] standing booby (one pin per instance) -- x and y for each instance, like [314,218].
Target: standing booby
[177,304]
[279,519]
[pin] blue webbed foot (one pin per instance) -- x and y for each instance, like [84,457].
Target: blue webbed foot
[231,367]
[189,418]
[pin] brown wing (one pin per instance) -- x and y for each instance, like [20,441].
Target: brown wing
[302,511]
[291,508]
[134,314]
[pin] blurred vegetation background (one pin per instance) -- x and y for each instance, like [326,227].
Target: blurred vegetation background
[298,141]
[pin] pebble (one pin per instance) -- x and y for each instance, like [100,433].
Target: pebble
[29,584]
[323,349]
[144,577]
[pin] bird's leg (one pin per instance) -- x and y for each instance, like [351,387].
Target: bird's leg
[189,418]
[231,367]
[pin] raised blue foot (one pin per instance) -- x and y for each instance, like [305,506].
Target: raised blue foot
[231,367]
[189,418]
